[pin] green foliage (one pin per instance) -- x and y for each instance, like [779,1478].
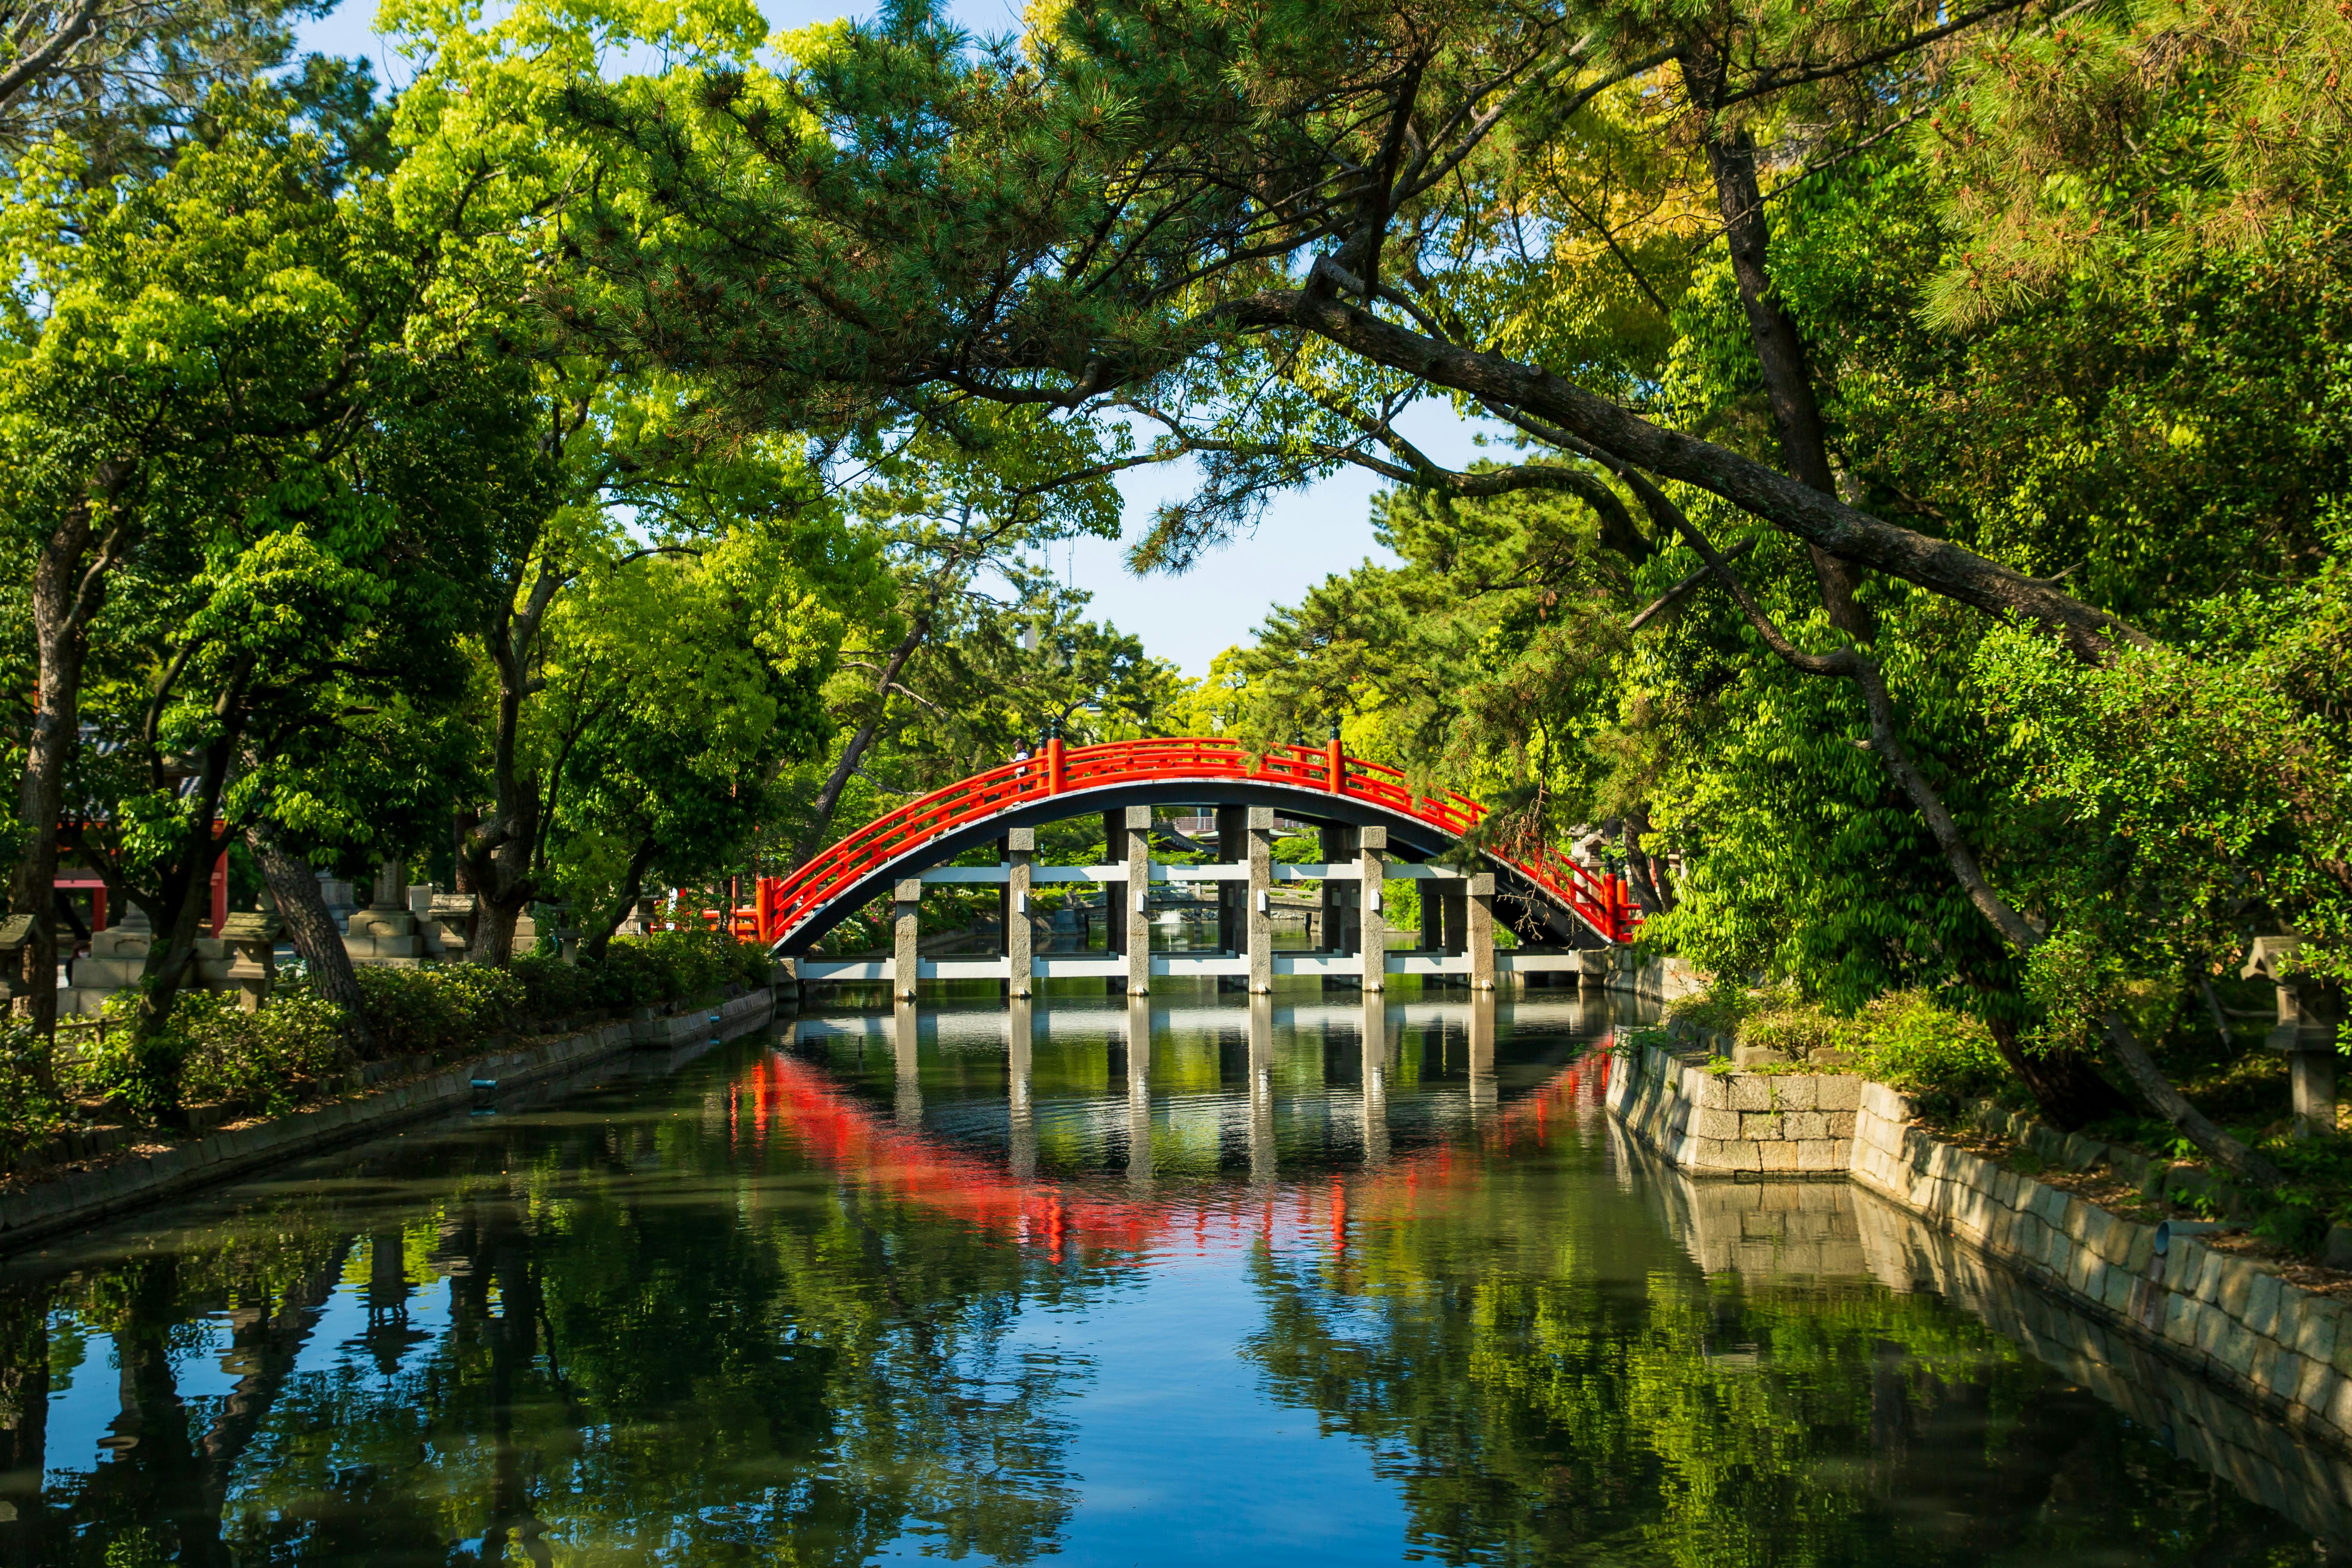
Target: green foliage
[259,1059]
[1905,1039]
[28,1112]
[445,1009]
[1798,1028]
[1909,1043]
[1715,1011]
[675,966]
[440,1009]
[207,1049]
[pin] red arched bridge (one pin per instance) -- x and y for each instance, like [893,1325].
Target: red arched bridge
[1390,832]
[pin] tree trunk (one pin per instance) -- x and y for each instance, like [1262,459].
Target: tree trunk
[312,929]
[2066,1085]
[494,927]
[2015,930]
[1780,353]
[632,885]
[1643,873]
[186,889]
[1610,428]
[2170,1103]
[67,589]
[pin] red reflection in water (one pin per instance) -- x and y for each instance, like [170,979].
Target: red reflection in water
[847,1136]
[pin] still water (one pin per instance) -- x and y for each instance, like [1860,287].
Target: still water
[1199,1281]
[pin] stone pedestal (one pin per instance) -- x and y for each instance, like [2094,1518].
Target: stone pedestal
[385,936]
[448,927]
[117,956]
[14,933]
[251,940]
[339,896]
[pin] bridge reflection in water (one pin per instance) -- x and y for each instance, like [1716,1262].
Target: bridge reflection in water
[1109,1126]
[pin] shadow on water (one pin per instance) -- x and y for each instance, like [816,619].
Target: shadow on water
[1344,1281]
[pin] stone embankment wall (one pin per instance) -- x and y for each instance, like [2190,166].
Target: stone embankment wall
[2284,1349]
[74,1200]
[1660,979]
[1762,1231]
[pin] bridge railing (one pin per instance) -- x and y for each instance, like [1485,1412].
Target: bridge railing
[784,903]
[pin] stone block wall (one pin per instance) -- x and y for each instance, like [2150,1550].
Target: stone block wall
[1726,1123]
[1660,980]
[2284,1349]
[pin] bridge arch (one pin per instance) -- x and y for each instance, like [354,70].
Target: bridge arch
[1585,908]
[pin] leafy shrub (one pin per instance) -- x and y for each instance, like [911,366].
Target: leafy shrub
[554,989]
[28,1113]
[675,966]
[1911,1044]
[1714,1011]
[450,1007]
[210,1049]
[1798,1028]
[256,1058]
[447,1008]
[1902,1039]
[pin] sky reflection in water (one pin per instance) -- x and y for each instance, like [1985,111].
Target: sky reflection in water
[1185,1283]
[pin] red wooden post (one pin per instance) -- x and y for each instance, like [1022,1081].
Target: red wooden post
[1335,764]
[220,888]
[1053,764]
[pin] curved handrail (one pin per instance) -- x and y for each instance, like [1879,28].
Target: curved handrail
[785,903]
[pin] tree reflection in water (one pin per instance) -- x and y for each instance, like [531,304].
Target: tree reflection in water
[749,1313]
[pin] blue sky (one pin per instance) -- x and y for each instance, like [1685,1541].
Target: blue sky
[1305,534]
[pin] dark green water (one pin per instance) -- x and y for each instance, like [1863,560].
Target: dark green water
[887,1288]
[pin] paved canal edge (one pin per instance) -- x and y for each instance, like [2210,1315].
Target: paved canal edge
[2268,1341]
[75,1199]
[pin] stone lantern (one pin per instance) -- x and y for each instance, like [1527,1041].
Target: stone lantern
[2309,1011]
[253,938]
[14,933]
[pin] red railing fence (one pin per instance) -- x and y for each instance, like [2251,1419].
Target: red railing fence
[781,904]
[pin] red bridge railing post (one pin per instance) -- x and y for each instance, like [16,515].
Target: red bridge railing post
[1053,764]
[1335,764]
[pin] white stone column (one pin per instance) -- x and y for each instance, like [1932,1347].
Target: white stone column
[1478,937]
[1261,899]
[906,954]
[1020,936]
[1138,900]
[1371,867]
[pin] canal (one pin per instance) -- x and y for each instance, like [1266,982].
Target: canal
[1198,1281]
